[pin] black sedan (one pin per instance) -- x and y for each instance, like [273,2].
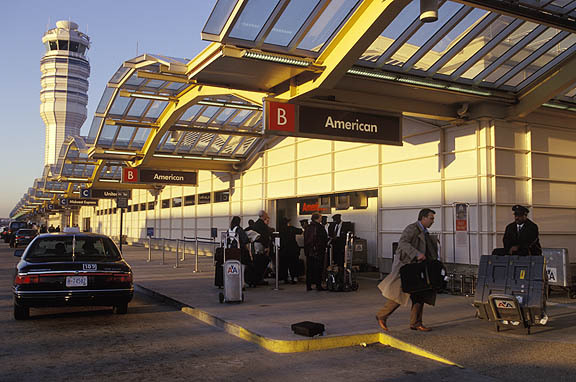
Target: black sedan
[71,269]
[23,237]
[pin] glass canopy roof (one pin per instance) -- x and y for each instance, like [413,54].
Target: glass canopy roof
[467,45]
[140,91]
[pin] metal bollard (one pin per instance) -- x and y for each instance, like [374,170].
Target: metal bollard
[196,257]
[163,249]
[177,252]
[183,250]
[149,249]
[277,267]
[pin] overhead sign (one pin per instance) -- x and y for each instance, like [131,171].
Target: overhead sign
[324,122]
[105,194]
[82,202]
[150,176]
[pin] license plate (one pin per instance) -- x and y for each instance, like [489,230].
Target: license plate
[76,281]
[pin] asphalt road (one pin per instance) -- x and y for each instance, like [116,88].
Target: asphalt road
[156,342]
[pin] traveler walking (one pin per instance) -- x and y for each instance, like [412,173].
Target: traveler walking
[415,245]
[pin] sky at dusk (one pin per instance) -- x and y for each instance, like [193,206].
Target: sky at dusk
[119,30]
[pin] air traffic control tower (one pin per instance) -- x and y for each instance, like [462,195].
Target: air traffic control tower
[65,71]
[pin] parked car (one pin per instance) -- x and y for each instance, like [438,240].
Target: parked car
[3,232]
[23,237]
[78,269]
[12,228]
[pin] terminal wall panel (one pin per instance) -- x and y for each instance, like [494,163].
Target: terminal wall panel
[314,185]
[511,163]
[510,136]
[358,157]
[251,208]
[550,167]
[460,164]
[236,209]
[188,211]
[315,166]
[461,190]
[511,191]
[416,170]
[412,147]
[554,194]
[362,178]
[460,138]
[189,223]
[283,189]
[220,209]
[417,194]
[342,145]
[555,219]
[396,220]
[281,172]
[204,182]
[281,155]
[222,222]
[252,192]
[312,148]
[252,176]
[286,141]
[204,223]
[553,141]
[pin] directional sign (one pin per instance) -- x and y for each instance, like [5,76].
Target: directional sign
[121,202]
[81,202]
[50,206]
[63,202]
[151,176]
[110,194]
[85,193]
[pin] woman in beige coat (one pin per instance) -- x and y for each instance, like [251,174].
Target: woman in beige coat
[415,245]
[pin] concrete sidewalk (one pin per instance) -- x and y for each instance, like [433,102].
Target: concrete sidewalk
[269,313]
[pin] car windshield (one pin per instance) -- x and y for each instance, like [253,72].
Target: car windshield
[62,247]
[26,232]
[17,225]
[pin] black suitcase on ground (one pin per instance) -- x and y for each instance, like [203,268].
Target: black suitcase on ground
[308,328]
[426,275]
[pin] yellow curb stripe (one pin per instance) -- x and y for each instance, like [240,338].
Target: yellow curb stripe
[322,343]
[386,339]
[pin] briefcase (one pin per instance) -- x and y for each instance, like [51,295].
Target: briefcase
[308,328]
[418,277]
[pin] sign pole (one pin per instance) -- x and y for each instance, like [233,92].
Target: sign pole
[121,215]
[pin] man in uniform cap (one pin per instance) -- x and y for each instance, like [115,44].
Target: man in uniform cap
[521,236]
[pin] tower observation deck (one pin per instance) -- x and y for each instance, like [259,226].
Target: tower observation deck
[65,71]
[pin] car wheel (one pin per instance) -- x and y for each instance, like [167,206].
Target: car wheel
[21,312]
[121,308]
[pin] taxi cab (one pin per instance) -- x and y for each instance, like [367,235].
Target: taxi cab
[71,269]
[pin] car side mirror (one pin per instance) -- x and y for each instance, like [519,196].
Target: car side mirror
[18,252]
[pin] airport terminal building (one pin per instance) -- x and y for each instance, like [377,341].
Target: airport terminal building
[356,108]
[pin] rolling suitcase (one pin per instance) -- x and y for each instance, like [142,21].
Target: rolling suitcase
[233,277]
[511,291]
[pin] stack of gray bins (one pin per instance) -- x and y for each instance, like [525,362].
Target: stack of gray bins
[511,291]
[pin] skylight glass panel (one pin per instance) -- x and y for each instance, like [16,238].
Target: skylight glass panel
[96,121]
[140,137]
[291,21]
[119,105]
[448,41]
[509,42]
[190,113]
[134,80]
[476,44]
[524,77]
[224,115]
[207,114]
[220,14]
[107,135]
[426,30]
[105,100]
[252,19]
[240,117]
[138,107]
[156,109]
[155,84]
[124,135]
[332,17]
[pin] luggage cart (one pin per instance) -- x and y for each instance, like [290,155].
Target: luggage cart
[511,291]
[342,279]
[233,274]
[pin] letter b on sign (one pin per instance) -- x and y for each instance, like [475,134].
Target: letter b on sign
[129,175]
[280,116]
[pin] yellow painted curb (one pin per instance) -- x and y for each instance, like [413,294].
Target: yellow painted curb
[322,343]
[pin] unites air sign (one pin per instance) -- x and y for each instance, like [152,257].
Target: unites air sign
[325,123]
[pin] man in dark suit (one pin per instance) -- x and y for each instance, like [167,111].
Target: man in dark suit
[521,236]
[337,230]
[315,242]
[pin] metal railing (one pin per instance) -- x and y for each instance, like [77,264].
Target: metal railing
[160,243]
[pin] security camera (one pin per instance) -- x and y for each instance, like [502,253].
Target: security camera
[428,11]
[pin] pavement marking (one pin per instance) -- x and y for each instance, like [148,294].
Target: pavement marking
[298,346]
